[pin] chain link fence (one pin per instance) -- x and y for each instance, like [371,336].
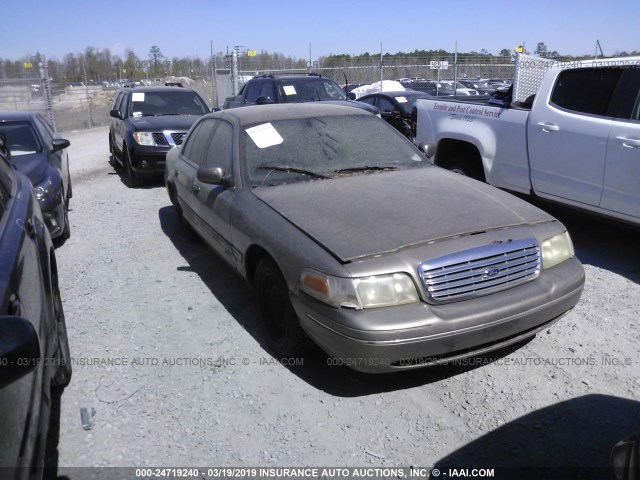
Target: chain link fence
[85,105]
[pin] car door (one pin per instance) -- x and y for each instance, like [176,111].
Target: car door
[621,192]
[186,166]
[567,136]
[118,123]
[213,202]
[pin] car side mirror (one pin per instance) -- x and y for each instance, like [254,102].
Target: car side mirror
[351,96]
[59,144]
[211,175]
[115,114]
[264,100]
[19,349]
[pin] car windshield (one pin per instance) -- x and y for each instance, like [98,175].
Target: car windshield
[311,148]
[175,102]
[21,138]
[309,89]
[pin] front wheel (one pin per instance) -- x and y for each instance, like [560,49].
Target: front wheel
[131,175]
[62,376]
[279,323]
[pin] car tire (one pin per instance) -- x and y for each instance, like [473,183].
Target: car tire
[278,323]
[184,225]
[113,161]
[466,167]
[62,375]
[66,231]
[132,179]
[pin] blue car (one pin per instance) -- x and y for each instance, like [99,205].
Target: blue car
[39,153]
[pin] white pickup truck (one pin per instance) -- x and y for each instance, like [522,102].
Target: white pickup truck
[576,141]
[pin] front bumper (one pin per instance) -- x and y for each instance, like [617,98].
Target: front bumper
[436,334]
[147,161]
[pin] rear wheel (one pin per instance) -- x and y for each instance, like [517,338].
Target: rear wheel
[466,167]
[279,323]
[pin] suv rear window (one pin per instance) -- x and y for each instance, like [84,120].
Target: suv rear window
[309,90]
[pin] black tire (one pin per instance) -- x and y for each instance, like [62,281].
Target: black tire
[466,167]
[278,323]
[66,231]
[185,227]
[112,154]
[62,376]
[132,179]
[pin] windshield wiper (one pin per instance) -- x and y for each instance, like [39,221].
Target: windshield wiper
[367,168]
[292,169]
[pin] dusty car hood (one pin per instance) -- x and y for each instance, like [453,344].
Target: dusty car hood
[371,214]
[165,122]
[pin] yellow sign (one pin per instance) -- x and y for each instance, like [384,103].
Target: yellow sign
[251,53]
[28,65]
[519,49]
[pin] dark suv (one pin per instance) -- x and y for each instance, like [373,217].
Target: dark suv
[146,123]
[293,89]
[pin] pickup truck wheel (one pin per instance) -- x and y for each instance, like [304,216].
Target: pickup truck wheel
[62,375]
[466,167]
[279,325]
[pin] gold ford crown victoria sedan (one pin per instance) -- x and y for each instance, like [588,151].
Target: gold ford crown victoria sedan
[353,240]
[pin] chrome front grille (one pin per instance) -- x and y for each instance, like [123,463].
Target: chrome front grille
[480,271]
[168,138]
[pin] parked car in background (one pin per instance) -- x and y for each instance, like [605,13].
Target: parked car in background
[145,123]
[320,207]
[460,89]
[432,87]
[396,107]
[481,86]
[35,363]
[39,152]
[269,89]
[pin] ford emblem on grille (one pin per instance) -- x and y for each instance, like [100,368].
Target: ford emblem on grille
[491,272]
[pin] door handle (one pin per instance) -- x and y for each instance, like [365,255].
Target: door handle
[548,127]
[629,142]
[195,188]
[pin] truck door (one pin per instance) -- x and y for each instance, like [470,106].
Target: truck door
[621,191]
[568,135]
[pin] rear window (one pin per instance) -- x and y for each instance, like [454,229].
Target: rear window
[585,90]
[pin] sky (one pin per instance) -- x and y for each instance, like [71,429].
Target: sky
[315,28]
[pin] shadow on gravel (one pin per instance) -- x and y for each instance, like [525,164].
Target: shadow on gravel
[317,369]
[153,182]
[600,242]
[571,439]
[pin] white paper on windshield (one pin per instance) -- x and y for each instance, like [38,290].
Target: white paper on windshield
[137,97]
[401,99]
[289,90]
[264,135]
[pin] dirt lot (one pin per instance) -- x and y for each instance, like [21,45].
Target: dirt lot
[165,350]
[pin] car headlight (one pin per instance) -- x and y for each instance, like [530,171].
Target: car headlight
[358,293]
[43,191]
[144,138]
[556,250]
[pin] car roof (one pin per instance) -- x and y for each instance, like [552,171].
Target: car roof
[156,89]
[21,115]
[285,111]
[398,93]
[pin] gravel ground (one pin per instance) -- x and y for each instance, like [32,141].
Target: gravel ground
[165,350]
